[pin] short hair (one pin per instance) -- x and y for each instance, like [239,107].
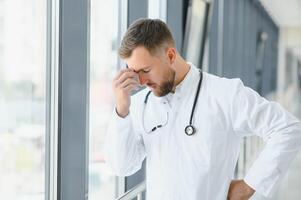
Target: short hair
[152,34]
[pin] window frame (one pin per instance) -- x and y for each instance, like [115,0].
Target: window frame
[67,99]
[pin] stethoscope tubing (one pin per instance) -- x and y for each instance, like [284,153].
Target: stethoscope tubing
[190,126]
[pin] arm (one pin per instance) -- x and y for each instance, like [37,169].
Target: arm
[252,114]
[124,149]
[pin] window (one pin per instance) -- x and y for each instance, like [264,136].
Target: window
[195,31]
[103,66]
[22,99]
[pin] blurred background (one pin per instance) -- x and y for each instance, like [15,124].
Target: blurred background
[258,41]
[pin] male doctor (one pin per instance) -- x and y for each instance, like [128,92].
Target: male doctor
[189,124]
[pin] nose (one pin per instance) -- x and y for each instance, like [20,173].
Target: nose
[142,79]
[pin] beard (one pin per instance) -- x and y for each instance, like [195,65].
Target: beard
[166,87]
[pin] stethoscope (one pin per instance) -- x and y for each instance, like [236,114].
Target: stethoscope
[189,129]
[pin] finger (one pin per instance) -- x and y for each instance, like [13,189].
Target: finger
[127,75]
[118,80]
[128,82]
[120,72]
[131,87]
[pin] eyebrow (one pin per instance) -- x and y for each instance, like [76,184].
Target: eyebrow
[139,69]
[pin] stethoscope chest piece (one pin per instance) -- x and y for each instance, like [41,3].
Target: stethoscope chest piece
[189,130]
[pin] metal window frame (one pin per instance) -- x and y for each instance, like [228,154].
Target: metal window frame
[174,12]
[67,99]
[123,5]
[205,22]
[220,38]
[51,138]
[73,100]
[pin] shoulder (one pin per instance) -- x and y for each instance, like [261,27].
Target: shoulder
[221,86]
[222,91]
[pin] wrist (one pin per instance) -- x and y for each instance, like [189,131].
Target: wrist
[121,114]
[249,190]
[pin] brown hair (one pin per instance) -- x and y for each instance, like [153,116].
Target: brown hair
[150,33]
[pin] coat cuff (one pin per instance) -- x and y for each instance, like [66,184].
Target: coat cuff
[262,178]
[121,122]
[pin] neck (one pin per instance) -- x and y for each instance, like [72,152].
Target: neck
[181,68]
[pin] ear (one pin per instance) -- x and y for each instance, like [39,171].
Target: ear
[171,54]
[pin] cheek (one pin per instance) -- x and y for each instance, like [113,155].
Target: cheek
[156,76]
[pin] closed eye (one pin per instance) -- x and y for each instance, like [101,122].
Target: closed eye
[145,70]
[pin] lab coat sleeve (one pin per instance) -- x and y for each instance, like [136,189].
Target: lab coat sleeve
[281,131]
[124,148]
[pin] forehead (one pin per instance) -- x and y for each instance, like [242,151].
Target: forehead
[141,51]
[140,59]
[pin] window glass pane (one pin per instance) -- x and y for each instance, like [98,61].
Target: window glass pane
[194,31]
[22,99]
[103,65]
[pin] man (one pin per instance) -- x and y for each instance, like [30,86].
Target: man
[189,126]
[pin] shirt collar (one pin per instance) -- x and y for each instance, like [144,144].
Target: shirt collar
[183,87]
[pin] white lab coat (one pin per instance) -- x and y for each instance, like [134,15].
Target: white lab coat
[181,167]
